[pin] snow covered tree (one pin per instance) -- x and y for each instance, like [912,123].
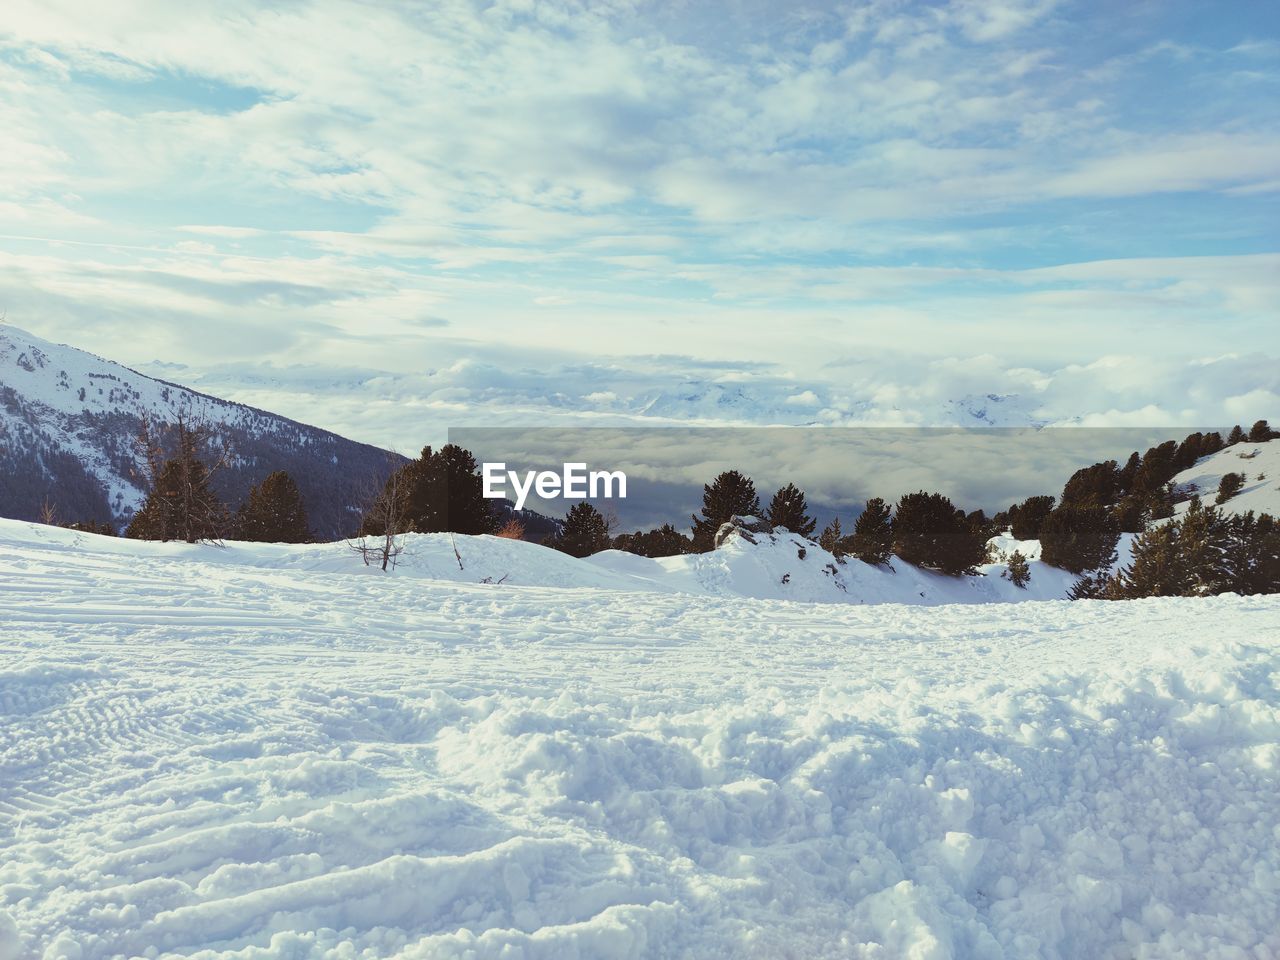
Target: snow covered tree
[1229,486]
[273,512]
[1018,570]
[181,505]
[583,532]
[872,540]
[730,494]
[1079,538]
[1026,518]
[928,531]
[789,509]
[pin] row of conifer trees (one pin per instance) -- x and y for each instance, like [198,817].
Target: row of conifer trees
[441,491]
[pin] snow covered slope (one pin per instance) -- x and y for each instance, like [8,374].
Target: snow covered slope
[1258,462]
[68,420]
[201,757]
[781,566]
[785,566]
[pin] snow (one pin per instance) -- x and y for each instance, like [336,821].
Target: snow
[270,751]
[1258,462]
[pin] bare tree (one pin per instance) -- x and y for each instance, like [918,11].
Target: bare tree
[386,511]
[48,513]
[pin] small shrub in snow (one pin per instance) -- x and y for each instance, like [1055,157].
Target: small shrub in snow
[1018,570]
[1229,486]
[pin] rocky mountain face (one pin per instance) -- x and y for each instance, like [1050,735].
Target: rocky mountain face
[69,419]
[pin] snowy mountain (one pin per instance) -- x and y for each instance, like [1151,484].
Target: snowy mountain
[1258,463]
[68,420]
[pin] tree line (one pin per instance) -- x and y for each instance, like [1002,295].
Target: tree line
[441,491]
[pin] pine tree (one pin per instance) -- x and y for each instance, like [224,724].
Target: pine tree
[928,531]
[730,494]
[583,532]
[1079,538]
[1261,432]
[1229,486]
[1253,554]
[1097,485]
[1235,436]
[831,538]
[181,505]
[1129,472]
[665,541]
[273,512]
[444,493]
[1159,503]
[1090,586]
[1019,570]
[789,509]
[872,540]
[1026,518]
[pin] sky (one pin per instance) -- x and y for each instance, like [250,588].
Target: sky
[854,211]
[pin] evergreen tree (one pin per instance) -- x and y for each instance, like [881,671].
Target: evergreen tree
[1019,570]
[832,537]
[1089,586]
[1131,514]
[583,532]
[789,509]
[1253,554]
[180,505]
[1097,485]
[872,540]
[1229,486]
[1261,432]
[664,541]
[1189,451]
[1212,443]
[1158,468]
[1235,436]
[730,494]
[1026,518]
[444,493]
[1159,503]
[928,531]
[273,513]
[1079,538]
[1129,472]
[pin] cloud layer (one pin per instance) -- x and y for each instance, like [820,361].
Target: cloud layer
[874,190]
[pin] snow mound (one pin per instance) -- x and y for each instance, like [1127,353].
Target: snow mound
[204,758]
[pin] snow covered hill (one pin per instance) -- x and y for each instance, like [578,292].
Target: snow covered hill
[1259,463]
[778,566]
[204,754]
[68,420]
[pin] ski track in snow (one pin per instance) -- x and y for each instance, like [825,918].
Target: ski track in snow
[209,760]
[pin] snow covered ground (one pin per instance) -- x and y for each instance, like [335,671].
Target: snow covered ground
[1259,463]
[272,752]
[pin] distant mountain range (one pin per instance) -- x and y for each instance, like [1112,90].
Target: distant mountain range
[68,420]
